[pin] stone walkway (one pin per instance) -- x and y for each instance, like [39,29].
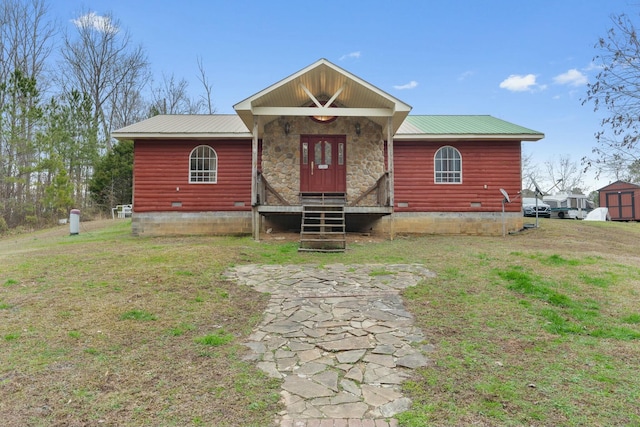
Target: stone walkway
[339,337]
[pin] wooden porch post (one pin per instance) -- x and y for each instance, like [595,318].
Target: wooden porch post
[391,173]
[255,215]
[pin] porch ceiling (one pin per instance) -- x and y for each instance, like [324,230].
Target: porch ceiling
[322,81]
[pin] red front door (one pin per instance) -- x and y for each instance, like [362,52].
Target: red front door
[323,164]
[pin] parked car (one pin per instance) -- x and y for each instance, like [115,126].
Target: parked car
[529,207]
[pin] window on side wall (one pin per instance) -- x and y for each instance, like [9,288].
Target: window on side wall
[203,165]
[448,166]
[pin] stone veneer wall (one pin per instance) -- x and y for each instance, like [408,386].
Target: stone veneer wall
[281,154]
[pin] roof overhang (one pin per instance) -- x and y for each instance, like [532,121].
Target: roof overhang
[467,137]
[176,135]
[311,92]
[184,126]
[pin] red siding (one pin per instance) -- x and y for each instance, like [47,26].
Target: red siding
[161,167]
[494,164]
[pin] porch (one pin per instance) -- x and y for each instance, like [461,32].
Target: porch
[322,219]
[377,199]
[321,130]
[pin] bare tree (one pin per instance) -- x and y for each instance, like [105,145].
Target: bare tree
[529,170]
[102,62]
[611,158]
[207,88]
[171,97]
[26,38]
[127,104]
[564,174]
[616,90]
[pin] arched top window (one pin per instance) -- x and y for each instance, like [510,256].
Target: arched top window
[448,166]
[203,165]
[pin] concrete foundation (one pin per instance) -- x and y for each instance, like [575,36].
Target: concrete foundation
[454,223]
[403,223]
[190,223]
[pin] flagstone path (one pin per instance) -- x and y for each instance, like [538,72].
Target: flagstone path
[339,337]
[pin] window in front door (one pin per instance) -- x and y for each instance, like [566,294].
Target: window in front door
[322,154]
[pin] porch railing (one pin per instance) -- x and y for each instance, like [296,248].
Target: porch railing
[381,189]
[265,191]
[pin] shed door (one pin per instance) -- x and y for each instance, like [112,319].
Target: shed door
[323,164]
[621,205]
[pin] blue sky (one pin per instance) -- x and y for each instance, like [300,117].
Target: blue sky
[524,62]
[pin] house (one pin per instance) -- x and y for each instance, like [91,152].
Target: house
[325,137]
[622,199]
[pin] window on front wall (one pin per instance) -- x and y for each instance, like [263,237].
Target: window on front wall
[448,166]
[203,165]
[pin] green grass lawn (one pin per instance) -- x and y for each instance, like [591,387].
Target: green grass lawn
[539,328]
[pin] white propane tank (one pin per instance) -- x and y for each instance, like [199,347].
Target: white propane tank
[74,222]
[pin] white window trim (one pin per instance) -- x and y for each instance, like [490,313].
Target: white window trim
[435,172]
[215,181]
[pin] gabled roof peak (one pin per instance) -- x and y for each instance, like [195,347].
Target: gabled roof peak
[356,97]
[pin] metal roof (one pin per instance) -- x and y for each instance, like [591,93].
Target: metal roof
[620,184]
[467,127]
[231,126]
[308,93]
[182,126]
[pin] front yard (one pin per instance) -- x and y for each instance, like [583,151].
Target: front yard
[538,328]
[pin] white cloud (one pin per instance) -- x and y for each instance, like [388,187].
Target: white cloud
[352,55]
[593,66]
[519,83]
[412,84]
[94,21]
[466,75]
[572,77]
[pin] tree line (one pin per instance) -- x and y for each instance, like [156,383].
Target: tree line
[62,92]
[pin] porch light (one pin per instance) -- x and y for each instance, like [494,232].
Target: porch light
[358,129]
[287,128]
[324,119]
